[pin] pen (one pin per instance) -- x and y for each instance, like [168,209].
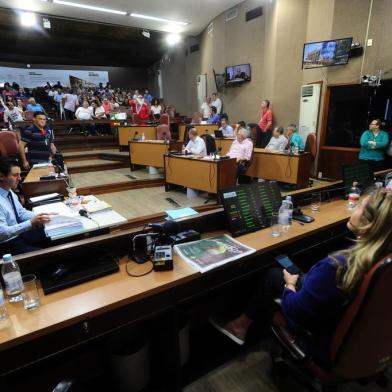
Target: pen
[300,223]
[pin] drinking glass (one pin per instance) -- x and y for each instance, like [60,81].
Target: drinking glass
[30,294]
[315,202]
[275,227]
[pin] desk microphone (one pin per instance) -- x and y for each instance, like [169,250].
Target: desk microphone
[135,137]
[217,151]
[84,213]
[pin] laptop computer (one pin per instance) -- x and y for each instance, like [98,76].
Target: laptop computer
[218,134]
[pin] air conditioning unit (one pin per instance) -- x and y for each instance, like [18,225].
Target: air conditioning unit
[309,109]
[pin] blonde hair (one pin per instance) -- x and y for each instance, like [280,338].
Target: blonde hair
[374,244]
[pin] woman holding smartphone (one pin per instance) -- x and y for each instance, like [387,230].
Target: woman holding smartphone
[316,301]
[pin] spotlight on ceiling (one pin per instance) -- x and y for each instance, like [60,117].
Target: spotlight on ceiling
[28,19]
[173,39]
[146,33]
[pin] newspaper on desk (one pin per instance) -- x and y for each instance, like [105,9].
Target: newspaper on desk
[210,253]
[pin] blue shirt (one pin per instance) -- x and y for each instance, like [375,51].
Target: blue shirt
[296,141]
[38,143]
[34,108]
[9,226]
[370,153]
[317,306]
[213,119]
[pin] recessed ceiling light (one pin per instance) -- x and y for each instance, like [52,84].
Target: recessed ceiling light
[159,19]
[173,39]
[28,19]
[146,33]
[89,7]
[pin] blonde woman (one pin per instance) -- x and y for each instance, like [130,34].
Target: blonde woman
[317,300]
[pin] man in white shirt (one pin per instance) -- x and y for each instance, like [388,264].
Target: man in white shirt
[205,109]
[226,129]
[70,102]
[277,142]
[196,144]
[217,102]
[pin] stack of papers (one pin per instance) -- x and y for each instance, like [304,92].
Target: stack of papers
[96,206]
[44,197]
[180,213]
[61,224]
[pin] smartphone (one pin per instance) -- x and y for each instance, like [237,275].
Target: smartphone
[287,264]
[303,218]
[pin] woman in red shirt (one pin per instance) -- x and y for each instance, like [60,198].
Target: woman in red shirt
[265,125]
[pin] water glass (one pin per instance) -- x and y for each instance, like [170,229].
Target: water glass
[275,227]
[30,294]
[315,202]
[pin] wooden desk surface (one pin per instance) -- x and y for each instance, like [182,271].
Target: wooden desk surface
[75,304]
[224,144]
[200,128]
[150,152]
[127,133]
[201,174]
[292,169]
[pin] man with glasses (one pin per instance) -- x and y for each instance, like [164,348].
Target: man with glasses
[38,138]
[20,229]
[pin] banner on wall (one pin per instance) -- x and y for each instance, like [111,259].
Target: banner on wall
[38,77]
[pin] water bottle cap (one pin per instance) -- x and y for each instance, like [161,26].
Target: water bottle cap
[7,257]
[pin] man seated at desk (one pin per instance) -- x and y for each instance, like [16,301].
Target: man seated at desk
[295,139]
[277,142]
[226,129]
[19,231]
[196,144]
[38,138]
[214,116]
[241,149]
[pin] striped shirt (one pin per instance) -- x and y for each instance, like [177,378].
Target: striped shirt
[38,143]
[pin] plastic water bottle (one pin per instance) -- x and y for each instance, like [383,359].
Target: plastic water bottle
[143,137]
[284,217]
[290,208]
[3,308]
[12,279]
[353,196]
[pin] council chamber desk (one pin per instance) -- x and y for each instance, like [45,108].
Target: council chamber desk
[82,313]
[224,144]
[200,128]
[150,152]
[292,169]
[33,186]
[201,174]
[127,133]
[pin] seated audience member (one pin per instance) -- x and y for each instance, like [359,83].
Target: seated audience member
[108,107]
[205,109]
[33,106]
[21,94]
[20,106]
[113,101]
[226,128]
[141,108]
[196,144]
[315,301]
[294,138]
[241,149]
[278,142]
[38,138]
[373,143]
[8,91]
[19,228]
[156,108]
[97,111]
[147,96]
[214,117]
[11,113]
[84,112]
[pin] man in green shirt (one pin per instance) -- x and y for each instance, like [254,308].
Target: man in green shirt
[373,144]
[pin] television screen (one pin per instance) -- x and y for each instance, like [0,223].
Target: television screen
[237,73]
[326,53]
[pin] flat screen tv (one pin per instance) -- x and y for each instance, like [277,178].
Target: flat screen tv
[235,74]
[326,53]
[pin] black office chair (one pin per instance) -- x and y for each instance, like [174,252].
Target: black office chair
[210,143]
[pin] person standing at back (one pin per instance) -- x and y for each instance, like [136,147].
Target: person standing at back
[217,102]
[70,103]
[265,125]
[373,143]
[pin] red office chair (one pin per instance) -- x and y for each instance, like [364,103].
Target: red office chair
[164,119]
[361,345]
[28,115]
[163,132]
[196,118]
[8,144]
[311,145]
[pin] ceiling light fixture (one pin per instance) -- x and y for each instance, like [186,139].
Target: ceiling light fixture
[89,7]
[28,19]
[157,19]
[173,39]
[146,33]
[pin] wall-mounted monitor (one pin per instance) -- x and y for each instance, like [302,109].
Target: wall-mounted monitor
[236,74]
[326,53]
